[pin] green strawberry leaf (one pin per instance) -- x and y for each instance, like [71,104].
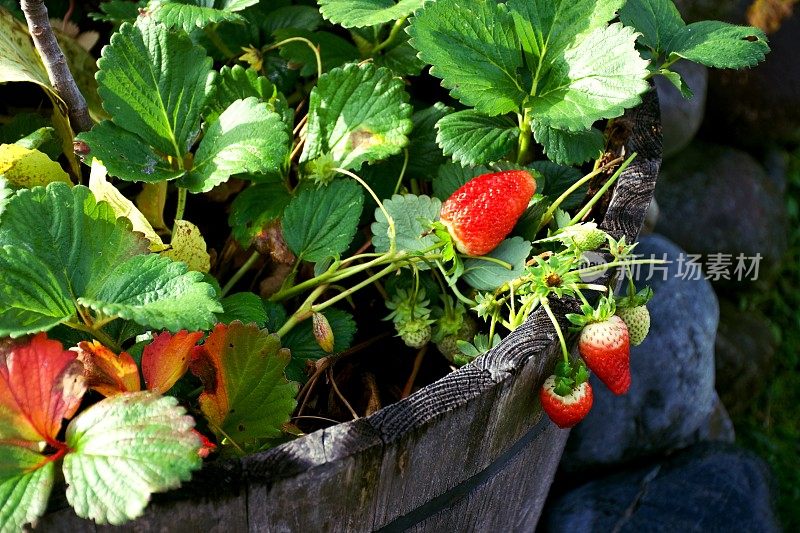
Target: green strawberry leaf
[546,28]
[246,395]
[424,154]
[118,11]
[154,83]
[487,276]
[191,14]
[247,137]
[451,176]
[255,207]
[559,178]
[304,347]
[126,156]
[334,50]
[26,480]
[125,448]
[598,77]
[239,83]
[276,315]
[357,114]
[450,34]
[412,218]
[657,21]
[678,82]
[5,194]
[321,223]
[720,45]
[245,307]
[359,13]
[569,147]
[401,58]
[473,138]
[710,43]
[299,17]
[157,292]
[59,248]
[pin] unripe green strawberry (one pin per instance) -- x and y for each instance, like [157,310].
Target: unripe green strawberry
[584,236]
[448,345]
[638,321]
[416,332]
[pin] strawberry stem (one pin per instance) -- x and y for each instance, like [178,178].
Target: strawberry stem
[564,352]
[311,45]
[607,185]
[548,215]
[389,219]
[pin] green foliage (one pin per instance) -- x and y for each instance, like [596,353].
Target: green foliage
[320,223]
[190,14]
[357,114]
[472,138]
[245,307]
[60,249]
[26,480]
[163,107]
[359,13]
[452,176]
[247,137]
[334,50]
[568,147]
[122,450]
[486,275]
[246,396]
[304,347]
[449,34]
[711,43]
[255,207]
[156,118]
[412,217]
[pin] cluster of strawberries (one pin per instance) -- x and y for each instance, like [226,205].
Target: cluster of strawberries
[479,216]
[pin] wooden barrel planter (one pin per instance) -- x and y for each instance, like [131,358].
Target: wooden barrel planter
[471,452]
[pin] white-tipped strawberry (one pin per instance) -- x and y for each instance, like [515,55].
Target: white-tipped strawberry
[568,409]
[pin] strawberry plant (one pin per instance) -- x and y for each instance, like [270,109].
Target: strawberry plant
[221,211]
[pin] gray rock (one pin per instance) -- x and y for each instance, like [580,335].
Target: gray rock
[744,352]
[759,106]
[695,10]
[681,117]
[718,427]
[707,488]
[714,199]
[672,390]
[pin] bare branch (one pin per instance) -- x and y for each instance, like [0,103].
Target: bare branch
[56,64]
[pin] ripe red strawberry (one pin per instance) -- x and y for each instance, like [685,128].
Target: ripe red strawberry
[566,411]
[605,346]
[484,210]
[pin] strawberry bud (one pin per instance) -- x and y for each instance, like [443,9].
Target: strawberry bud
[322,332]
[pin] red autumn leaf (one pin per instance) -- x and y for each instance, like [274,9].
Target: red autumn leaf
[41,384]
[246,394]
[166,359]
[107,372]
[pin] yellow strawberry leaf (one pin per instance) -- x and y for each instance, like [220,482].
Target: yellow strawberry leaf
[189,246]
[20,62]
[151,202]
[104,190]
[23,167]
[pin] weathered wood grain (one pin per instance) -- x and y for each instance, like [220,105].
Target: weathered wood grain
[471,452]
